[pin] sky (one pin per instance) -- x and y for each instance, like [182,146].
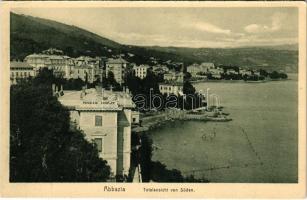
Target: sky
[181,27]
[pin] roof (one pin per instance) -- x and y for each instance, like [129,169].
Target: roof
[117,61]
[47,56]
[37,56]
[207,64]
[18,64]
[56,57]
[142,66]
[173,83]
[110,101]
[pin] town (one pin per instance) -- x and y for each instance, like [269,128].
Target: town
[112,100]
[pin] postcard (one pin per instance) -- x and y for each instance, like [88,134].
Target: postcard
[153,99]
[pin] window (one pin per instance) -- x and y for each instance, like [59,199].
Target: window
[98,142]
[98,120]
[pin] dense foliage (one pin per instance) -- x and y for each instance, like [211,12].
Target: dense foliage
[43,146]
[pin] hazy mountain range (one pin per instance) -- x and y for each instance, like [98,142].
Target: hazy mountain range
[32,35]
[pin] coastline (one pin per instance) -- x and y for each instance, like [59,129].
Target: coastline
[159,120]
[290,77]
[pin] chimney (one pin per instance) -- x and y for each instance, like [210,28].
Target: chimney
[127,90]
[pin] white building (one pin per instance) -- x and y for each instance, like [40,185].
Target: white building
[60,64]
[20,70]
[141,71]
[171,88]
[205,67]
[38,61]
[245,72]
[194,70]
[105,117]
[231,71]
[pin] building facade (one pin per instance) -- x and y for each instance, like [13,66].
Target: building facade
[20,70]
[87,68]
[194,69]
[61,65]
[105,117]
[141,71]
[117,67]
[84,72]
[171,88]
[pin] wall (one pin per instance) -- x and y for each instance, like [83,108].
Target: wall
[108,133]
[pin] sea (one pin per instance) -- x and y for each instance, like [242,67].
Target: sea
[259,145]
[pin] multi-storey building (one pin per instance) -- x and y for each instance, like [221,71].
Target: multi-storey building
[105,117]
[141,71]
[194,69]
[60,64]
[84,72]
[207,66]
[87,68]
[117,67]
[171,88]
[38,61]
[20,70]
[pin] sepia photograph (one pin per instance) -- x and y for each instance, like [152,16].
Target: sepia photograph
[161,94]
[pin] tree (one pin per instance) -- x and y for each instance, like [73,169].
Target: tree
[283,75]
[43,146]
[110,81]
[274,75]
[263,72]
[188,88]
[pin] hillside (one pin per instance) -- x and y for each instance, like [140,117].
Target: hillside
[271,58]
[32,34]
